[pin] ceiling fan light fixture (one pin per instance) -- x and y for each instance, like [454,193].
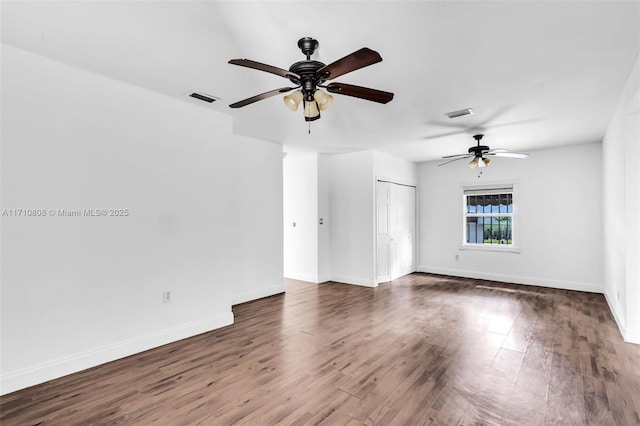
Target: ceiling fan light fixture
[323,99]
[485,162]
[474,163]
[293,100]
[311,111]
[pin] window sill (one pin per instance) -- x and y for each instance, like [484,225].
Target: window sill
[488,247]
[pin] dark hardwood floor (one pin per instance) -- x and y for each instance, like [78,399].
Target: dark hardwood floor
[424,350]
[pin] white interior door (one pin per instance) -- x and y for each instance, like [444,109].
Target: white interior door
[403,214]
[396,223]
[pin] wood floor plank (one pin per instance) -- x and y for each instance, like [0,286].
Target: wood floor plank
[425,349]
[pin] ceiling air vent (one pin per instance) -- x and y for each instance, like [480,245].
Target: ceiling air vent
[203,97]
[460,113]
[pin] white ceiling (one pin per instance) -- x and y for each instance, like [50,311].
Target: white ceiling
[537,74]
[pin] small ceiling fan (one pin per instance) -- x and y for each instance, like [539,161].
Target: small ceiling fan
[480,154]
[309,75]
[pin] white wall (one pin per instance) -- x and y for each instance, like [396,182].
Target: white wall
[352,226]
[307,247]
[352,205]
[621,156]
[559,215]
[324,213]
[394,169]
[80,291]
[301,207]
[260,220]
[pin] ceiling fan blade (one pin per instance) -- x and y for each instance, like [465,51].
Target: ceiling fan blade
[455,159]
[457,155]
[260,97]
[358,59]
[360,92]
[508,154]
[496,150]
[263,67]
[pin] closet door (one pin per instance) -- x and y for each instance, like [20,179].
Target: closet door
[396,221]
[403,213]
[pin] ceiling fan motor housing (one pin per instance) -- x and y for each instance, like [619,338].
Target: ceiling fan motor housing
[308,79]
[478,150]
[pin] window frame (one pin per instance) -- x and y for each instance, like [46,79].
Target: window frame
[504,188]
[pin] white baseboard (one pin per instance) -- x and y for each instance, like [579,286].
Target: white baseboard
[302,277]
[614,312]
[248,296]
[354,280]
[383,279]
[74,363]
[629,336]
[541,282]
[324,278]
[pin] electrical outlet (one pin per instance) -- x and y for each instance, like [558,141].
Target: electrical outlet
[166,296]
[457,257]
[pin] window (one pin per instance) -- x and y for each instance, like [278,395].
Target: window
[489,217]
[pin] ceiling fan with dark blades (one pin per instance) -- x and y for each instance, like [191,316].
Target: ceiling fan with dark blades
[480,154]
[309,75]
